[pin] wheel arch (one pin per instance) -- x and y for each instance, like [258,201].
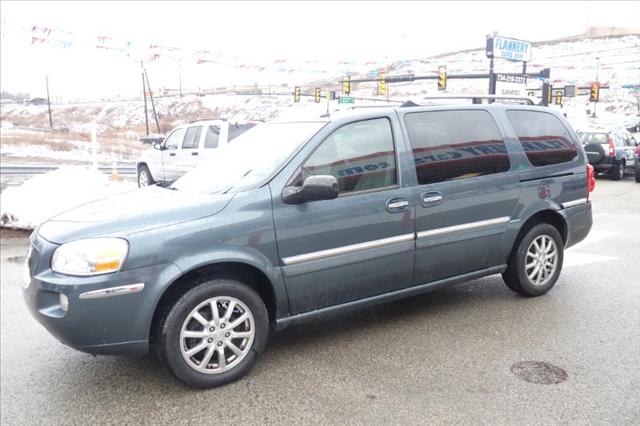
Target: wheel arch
[548,215]
[241,271]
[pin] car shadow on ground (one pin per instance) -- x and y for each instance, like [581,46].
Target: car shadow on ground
[306,337]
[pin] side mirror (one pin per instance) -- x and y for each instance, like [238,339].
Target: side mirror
[158,145]
[314,188]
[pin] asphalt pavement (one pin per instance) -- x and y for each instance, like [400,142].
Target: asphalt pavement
[455,356]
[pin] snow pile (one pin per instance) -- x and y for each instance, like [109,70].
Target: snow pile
[49,194]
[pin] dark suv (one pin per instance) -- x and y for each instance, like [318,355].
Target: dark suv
[297,220]
[609,151]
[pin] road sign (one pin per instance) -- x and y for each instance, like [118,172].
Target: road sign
[508,48]
[442,77]
[510,85]
[346,100]
[570,91]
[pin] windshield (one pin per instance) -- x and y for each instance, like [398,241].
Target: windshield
[252,157]
[587,138]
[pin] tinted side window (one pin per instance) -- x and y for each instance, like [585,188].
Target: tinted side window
[236,130]
[360,155]
[455,144]
[174,139]
[544,138]
[192,137]
[211,137]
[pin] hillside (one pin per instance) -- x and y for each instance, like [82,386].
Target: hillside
[121,123]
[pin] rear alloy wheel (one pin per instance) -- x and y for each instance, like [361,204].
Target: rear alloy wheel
[144,177]
[535,264]
[617,172]
[211,336]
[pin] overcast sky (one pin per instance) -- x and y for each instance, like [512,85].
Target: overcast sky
[264,31]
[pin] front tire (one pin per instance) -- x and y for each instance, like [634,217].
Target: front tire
[536,262]
[144,176]
[637,172]
[213,333]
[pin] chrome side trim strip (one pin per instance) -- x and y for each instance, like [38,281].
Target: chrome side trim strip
[113,291]
[574,203]
[322,254]
[463,227]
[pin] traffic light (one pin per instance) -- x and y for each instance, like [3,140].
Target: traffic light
[549,98]
[594,94]
[442,77]
[346,85]
[296,94]
[317,95]
[331,95]
[558,98]
[382,84]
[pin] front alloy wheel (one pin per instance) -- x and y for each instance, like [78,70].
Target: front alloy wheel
[217,335]
[212,334]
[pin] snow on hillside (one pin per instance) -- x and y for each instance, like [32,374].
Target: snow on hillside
[121,123]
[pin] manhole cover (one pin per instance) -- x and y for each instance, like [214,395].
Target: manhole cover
[541,373]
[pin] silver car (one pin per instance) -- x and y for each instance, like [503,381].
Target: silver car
[184,147]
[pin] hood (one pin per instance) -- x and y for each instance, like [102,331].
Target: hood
[134,211]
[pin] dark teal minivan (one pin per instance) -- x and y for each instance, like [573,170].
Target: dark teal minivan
[296,220]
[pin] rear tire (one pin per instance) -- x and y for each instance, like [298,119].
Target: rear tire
[637,172]
[617,172]
[536,262]
[228,358]
[144,176]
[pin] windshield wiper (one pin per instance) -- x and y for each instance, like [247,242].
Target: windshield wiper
[231,187]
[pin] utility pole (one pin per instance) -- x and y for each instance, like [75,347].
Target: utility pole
[48,102]
[180,77]
[144,94]
[153,106]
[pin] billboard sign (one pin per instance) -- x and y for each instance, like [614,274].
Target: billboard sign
[511,85]
[509,48]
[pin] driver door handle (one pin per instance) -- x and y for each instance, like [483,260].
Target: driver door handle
[194,153]
[431,198]
[172,154]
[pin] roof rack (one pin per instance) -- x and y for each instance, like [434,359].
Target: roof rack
[208,119]
[477,99]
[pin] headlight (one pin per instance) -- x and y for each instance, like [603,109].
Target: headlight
[92,256]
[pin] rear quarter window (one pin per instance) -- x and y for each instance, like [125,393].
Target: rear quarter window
[544,138]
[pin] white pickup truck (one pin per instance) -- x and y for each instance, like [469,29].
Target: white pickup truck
[184,147]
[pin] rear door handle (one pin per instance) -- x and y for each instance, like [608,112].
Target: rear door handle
[194,153]
[172,154]
[430,198]
[398,204]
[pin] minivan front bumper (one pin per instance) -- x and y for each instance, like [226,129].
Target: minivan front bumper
[97,318]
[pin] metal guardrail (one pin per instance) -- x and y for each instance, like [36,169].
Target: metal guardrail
[36,170]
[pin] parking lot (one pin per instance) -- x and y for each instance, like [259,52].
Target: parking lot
[447,357]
